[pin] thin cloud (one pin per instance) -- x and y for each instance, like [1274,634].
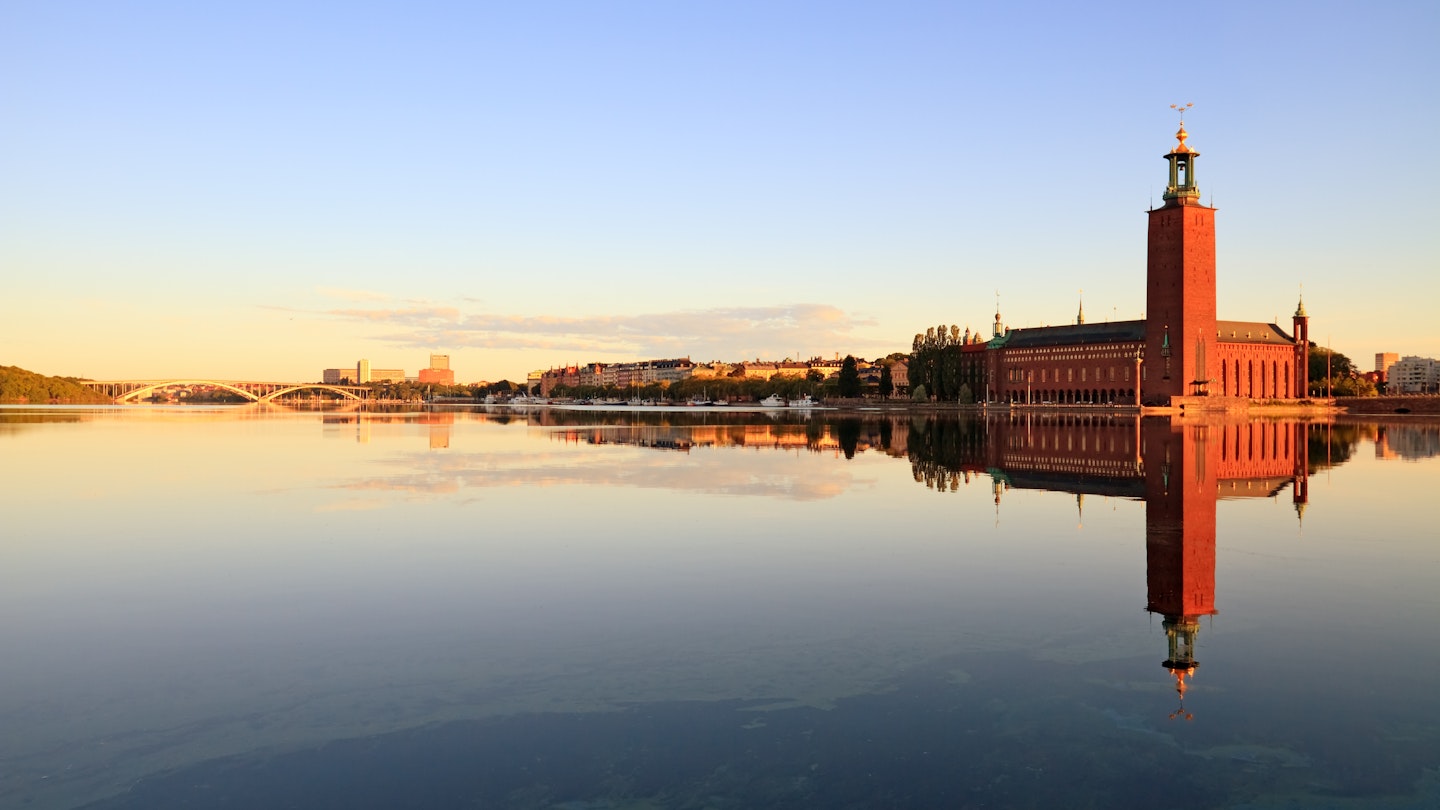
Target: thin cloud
[724,332]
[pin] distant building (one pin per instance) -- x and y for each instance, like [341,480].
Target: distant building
[1414,375]
[438,373]
[617,375]
[338,376]
[362,372]
[390,375]
[1383,362]
[900,376]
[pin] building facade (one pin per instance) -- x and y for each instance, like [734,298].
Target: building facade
[1181,354]
[1414,375]
[1383,362]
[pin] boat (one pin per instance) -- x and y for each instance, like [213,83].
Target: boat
[803,402]
[772,401]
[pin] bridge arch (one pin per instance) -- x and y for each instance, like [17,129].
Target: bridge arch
[133,396]
[139,393]
[309,387]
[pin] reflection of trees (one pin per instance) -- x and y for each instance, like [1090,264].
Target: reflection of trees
[939,448]
[847,433]
[1332,445]
[690,417]
[850,435]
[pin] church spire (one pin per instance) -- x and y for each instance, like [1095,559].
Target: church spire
[1080,316]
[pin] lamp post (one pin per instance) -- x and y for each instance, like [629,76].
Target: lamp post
[1139,353]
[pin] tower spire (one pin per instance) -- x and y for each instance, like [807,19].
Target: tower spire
[1182,189]
[1080,316]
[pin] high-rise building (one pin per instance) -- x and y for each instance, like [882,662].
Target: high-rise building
[362,372]
[1383,362]
[439,372]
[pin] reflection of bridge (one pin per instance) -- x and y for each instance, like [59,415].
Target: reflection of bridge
[134,390]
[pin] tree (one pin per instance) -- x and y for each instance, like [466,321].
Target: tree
[849,382]
[1339,364]
[887,385]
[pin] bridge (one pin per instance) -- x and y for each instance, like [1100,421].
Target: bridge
[122,391]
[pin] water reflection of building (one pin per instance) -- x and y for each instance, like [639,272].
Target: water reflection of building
[1180,469]
[1408,442]
[840,436]
[438,424]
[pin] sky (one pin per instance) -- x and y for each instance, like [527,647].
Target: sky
[263,190]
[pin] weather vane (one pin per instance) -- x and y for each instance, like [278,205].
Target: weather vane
[1182,108]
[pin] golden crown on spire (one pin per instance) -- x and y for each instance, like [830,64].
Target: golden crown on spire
[1182,134]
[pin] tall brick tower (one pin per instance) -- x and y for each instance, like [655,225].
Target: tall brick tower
[1180,357]
[1302,352]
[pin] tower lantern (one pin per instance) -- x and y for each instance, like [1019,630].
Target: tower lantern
[1182,170]
[1182,164]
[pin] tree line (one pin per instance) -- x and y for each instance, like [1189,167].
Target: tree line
[19,387]
[940,370]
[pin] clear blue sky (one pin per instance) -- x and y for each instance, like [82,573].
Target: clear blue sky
[267,189]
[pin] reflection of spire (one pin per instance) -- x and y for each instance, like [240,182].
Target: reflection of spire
[1180,687]
[1181,634]
[998,487]
[1080,509]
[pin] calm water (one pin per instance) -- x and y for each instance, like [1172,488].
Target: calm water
[581,610]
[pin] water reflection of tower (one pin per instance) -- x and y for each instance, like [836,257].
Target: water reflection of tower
[1188,467]
[1180,490]
[1179,467]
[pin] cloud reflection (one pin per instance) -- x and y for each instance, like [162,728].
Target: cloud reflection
[433,475]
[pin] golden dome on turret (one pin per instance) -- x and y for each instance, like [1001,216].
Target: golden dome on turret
[1181,148]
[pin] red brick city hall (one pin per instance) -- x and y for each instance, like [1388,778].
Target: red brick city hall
[1180,355]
